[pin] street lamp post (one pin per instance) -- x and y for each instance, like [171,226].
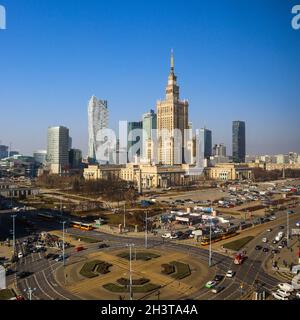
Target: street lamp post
[287,228]
[29,292]
[130,270]
[146,230]
[210,252]
[14,233]
[124,217]
[63,245]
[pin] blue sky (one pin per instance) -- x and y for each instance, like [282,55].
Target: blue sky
[235,60]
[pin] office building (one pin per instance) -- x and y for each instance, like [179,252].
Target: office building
[40,156]
[219,150]
[57,150]
[75,158]
[134,140]
[149,138]
[3,151]
[238,141]
[97,120]
[206,142]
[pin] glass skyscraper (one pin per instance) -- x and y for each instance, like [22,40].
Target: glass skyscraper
[238,141]
[206,142]
[97,120]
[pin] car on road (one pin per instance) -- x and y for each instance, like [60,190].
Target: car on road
[278,296]
[174,236]
[275,251]
[258,247]
[274,241]
[298,295]
[230,274]
[269,230]
[264,240]
[210,284]
[280,246]
[20,255]
[265,249]
[166,235]
[103,245]
[281,227]
[290,212]
[217,289]
[24,274]
[218,277]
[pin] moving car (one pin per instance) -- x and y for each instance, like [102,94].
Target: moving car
[265,249]
[283,293]
[20,255]
[264,240]
[166,235]
[210,284]
[218,277]
[217,289]
[269,230]
[230,274]
[258,247]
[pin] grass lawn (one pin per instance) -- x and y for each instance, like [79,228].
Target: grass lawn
[6,294]
[236,245]
[137,289]
[176,270]
[139,255]
[91,269]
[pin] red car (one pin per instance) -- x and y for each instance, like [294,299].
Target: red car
[79,249]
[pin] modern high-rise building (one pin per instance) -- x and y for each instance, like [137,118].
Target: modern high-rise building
[172,114]
[206,142]
[75,158]
[97,120]
[3,151]
[40,156]
[149,130]
[238,141]
[219,150]
[58,149]
[134,136]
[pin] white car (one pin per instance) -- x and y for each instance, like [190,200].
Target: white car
[230,274]
[286,287]
[264,240]
[174,236]
[20,255]
[298,295]
[279,296]
[269,230]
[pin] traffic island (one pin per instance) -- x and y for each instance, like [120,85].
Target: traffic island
[116,288]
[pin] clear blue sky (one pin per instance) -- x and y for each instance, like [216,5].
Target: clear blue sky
[235,60]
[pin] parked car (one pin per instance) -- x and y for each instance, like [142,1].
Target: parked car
[283,293]
[265,249]
[286,287]
[103,245]
[278,296]
[281,227]
[258,247]
[264,240]
[269,230]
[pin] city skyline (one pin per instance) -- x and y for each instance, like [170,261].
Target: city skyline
[219,90]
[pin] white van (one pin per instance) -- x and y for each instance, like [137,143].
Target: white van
[283,293]
[286,287]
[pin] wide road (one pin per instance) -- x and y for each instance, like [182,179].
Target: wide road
[48,288]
